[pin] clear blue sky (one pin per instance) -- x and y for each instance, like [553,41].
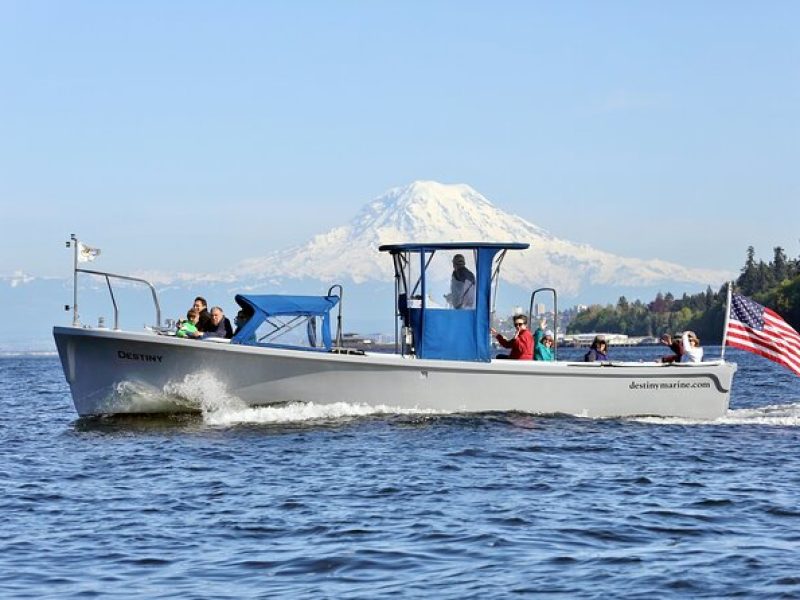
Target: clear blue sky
[190,135]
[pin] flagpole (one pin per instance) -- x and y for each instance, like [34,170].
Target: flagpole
[727,318]
[74,239]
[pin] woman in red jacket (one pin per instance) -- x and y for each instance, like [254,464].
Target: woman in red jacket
[521,344]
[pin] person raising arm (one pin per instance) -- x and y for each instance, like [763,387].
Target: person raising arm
[543,342]
[521,344]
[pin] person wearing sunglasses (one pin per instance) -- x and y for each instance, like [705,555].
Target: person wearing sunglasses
[521,344]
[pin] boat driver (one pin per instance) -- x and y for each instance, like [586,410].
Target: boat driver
[462,285]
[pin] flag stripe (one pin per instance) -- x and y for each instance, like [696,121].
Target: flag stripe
[783,328]
[778,359]
[765,349]
[766,336]
[762,331]
[768,351]
[760,339]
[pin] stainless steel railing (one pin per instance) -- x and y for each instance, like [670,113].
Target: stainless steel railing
[108,277]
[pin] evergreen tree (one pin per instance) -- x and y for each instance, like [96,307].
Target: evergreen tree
[747,280]
[658,305]
[764,278]
[669,301]
[780,265]
[709,298]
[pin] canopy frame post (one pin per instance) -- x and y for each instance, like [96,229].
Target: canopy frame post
[555,316]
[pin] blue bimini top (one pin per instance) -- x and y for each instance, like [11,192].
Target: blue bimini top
[263,308]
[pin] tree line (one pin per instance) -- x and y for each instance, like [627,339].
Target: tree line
[775,284]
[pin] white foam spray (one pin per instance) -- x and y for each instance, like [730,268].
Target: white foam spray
[780,415]
[305,411]
[204,392]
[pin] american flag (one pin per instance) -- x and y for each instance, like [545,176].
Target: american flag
[758,329]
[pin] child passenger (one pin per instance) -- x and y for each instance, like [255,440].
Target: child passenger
[188,328]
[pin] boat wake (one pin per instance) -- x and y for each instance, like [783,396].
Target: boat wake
[27,353]
[303,411]
[781,415]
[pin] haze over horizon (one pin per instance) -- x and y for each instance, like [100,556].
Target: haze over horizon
[188,140]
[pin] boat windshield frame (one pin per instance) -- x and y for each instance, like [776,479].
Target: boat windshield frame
[283,314]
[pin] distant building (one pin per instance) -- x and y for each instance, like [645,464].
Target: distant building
[613,339]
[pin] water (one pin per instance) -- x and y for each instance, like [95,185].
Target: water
[350,502]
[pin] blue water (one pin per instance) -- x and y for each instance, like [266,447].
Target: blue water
[348,502]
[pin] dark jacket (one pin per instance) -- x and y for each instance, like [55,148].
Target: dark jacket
[223,330]
[595,356]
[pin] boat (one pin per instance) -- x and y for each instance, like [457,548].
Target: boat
[442,361]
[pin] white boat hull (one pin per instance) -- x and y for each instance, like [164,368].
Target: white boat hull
[113,372]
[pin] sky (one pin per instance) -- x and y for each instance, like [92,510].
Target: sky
[190,135]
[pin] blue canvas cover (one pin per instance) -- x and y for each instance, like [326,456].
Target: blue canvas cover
[265,306]
[451,334]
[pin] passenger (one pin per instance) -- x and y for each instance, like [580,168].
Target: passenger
[543,343]
[674,345]
[220,325]
[242,317]
[188,328]
[690,348]
[204,322]
[521,344]
[462,285]
[598,351]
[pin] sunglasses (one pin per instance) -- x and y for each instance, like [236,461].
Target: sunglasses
[519,324]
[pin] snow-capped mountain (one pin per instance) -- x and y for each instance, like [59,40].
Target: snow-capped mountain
[427,211]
